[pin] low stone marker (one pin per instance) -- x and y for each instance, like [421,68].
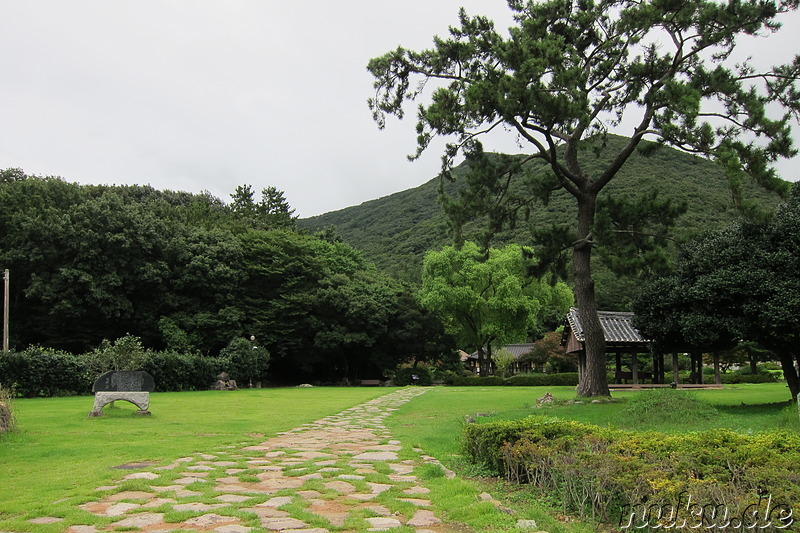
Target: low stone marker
[132,386]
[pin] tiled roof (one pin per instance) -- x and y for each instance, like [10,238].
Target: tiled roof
[517,350]
[616,325]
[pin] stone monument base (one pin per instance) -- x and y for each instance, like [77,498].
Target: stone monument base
[139,399]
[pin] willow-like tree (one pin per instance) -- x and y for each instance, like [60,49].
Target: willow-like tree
[570,70]
[488,300]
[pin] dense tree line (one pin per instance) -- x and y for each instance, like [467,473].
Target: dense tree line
[188,272]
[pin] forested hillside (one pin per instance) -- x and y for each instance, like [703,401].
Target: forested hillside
[395,231]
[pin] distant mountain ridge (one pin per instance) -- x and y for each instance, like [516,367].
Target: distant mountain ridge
[395,231]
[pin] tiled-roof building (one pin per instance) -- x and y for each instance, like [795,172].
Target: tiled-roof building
[624,339]
[519,351]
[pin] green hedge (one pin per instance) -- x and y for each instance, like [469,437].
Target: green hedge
[737,377]
[173,371]
[568,379]
[605,472]
[44,372]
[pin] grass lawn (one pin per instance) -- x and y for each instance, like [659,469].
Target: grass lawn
[434,421]
[58,452]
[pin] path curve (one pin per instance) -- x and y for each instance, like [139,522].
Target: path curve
[340,473]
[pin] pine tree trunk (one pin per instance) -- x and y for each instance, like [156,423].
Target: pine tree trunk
[790,374]
[594,380]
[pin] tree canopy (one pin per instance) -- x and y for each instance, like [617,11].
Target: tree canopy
[487,301]
[190,273]
[735,284]
[567,72]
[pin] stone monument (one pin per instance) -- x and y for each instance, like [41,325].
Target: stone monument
[132,386]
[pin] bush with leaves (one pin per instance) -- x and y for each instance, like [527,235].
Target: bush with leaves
[8,421]
[405,375]
[599,471]
[125,353]
[567,379]
[39,371]
[173,371]
[245,361]
[503,361]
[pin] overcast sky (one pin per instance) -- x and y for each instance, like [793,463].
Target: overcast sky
[206,95]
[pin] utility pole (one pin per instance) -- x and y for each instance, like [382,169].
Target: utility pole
[5,311]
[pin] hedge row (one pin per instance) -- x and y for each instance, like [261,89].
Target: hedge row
[45,372]
[609,474]
[569,379]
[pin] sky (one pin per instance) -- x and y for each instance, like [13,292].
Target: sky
[203,95]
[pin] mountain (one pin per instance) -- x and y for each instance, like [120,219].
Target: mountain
[395,231]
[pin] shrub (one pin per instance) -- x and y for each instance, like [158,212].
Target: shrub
[8,421]
[598,471]
[503,360]
[40,371]
[245,361]
[173,371]
[125,353]
[568,379]
[477,381]
[404,376]
[747,377]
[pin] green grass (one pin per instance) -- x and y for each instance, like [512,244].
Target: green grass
[58,456]
[433,422]
[58,452]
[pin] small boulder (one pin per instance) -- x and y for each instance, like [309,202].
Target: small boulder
[547,398]
[224,382]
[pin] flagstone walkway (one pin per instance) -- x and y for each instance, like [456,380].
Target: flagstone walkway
[343,472]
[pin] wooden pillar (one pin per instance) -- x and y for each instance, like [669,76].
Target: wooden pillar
[697,365]
[676,375]
[635,368]
[656,369]
[699,368]
[717,375]
[619,368]
[661,369]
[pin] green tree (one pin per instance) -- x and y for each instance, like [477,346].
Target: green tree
[414,335]
[272,211]
[488,301]
[125,353]
[247,360]
[503,361]
[351,315]
[571,69]
[731,285]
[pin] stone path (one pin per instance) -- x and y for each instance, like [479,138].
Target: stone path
[339,473]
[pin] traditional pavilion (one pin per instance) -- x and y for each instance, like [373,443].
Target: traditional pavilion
[625,341]
[521,365]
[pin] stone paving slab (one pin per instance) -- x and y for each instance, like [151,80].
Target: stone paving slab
[327,469]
